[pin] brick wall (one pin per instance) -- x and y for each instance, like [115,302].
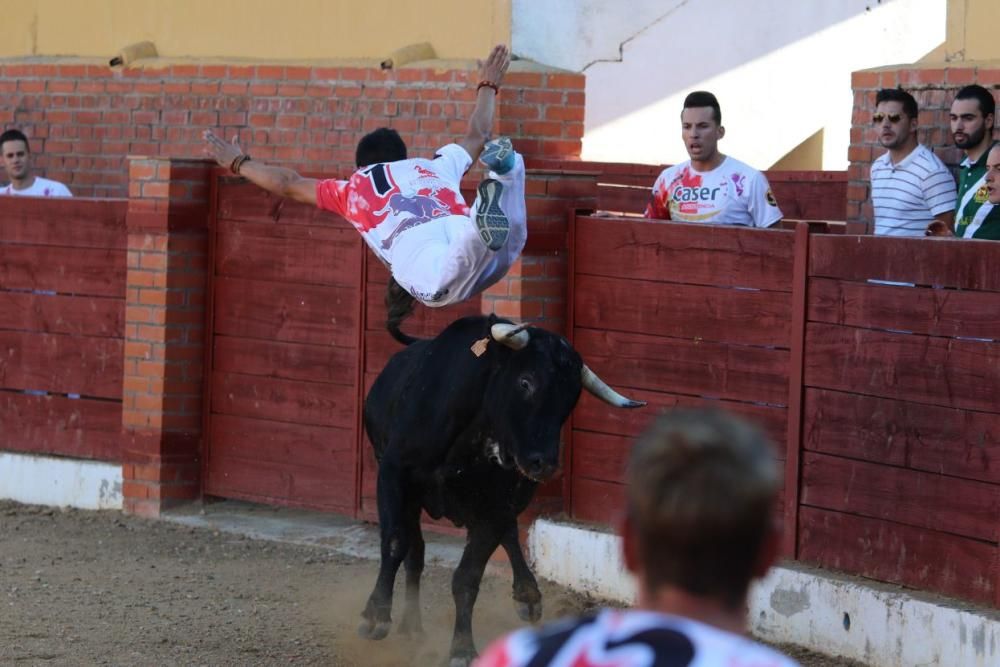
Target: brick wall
[83,119]
[164,325]
[934,89]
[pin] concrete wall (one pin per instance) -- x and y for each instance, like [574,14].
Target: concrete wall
[259,29]
[972,30]
[781,70]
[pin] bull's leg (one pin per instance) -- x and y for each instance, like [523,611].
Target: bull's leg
[376,619]
[527,597]
[482,541]
[411,623]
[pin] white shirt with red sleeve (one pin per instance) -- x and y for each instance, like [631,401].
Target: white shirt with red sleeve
[388,199]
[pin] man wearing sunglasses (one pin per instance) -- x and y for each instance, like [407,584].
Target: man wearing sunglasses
[972,114]
[911,187]
[711,187]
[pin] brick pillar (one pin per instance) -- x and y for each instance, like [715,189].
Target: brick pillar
[164,323]
[535,288]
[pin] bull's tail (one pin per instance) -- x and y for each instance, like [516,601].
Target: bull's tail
[399,305]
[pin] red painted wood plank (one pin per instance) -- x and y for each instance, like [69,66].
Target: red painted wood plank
[293,401]
[961,507]
[793,450]
[76,223]
[79,428]
[624,198]
[289,361]
[952,442]
[601,457]
[86,271]
[290,260]
[61,364]
[937,312]
[245,201]
[592,414]
[683,311]
[886,551]
[695,368]
[77,315]
[604,458]
[281,484]
[684,253]
[293,313]
[319,447]
[946,262]
[340,234]
[597,502]
[924,369]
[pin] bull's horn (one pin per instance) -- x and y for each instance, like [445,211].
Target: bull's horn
[512,335]
[601,390]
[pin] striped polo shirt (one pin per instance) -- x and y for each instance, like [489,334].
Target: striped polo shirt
[907,196]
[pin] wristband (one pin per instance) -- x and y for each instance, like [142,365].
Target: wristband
[488,84]
[238,162]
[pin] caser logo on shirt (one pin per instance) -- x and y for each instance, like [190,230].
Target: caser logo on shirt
[687,191]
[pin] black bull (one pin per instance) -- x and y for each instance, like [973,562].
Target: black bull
[465,426]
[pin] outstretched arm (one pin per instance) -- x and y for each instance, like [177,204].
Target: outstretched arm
[278,180]
[491,71]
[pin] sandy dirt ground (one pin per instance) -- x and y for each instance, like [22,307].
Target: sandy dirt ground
[102,588]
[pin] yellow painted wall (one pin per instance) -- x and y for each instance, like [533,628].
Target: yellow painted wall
[972,30]
[258,29]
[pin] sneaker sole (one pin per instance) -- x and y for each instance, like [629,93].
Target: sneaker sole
[491,222]
[494,159]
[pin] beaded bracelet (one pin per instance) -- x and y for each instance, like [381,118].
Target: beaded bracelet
[488,84]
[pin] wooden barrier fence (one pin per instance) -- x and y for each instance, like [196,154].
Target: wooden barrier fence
[62,308]
[872,362]
[883,399]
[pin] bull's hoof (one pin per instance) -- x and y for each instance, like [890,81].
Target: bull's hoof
[528,611]
[411,627]
[462,659]
[372,630]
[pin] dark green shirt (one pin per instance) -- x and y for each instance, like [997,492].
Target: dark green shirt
[975,216]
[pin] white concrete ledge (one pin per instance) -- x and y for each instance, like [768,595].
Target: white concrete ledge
[60,482]
[833,614]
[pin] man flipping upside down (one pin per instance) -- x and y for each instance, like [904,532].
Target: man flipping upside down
[411,212]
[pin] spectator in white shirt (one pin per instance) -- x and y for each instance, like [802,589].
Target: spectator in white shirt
[16,156]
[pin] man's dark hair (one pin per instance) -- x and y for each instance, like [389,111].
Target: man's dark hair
[898,95]
[14,135]
[700,496]
[382,145]
[987,105]
[703,98]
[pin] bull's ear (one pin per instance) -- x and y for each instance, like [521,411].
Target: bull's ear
[514,336]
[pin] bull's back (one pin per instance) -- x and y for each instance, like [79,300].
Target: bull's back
[431,381]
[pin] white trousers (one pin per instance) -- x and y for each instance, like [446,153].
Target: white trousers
[444,261]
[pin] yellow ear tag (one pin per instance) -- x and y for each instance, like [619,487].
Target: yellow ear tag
[479,347]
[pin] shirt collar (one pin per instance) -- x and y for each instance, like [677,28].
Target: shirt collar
[966,163]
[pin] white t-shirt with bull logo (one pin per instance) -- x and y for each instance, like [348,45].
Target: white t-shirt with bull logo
[412,215]
[733,193]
